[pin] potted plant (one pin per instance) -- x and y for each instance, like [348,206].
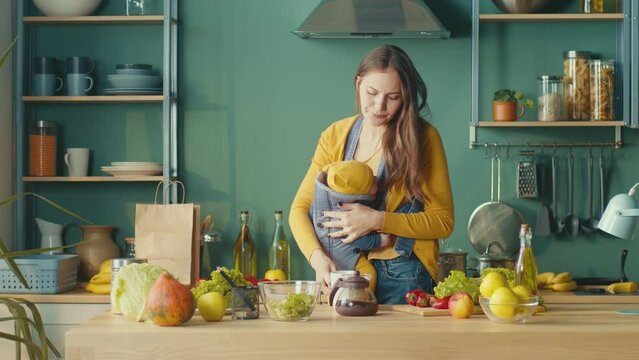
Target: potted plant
[506,106]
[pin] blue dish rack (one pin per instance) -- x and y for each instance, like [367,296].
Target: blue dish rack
[46,274]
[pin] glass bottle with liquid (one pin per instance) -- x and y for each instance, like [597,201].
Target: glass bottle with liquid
[279,253]
[244,258]
[526,267]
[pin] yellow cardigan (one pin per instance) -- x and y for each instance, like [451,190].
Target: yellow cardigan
[435,222]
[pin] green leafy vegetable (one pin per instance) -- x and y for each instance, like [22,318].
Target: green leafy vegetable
[131,285]
[456,282]
[294,307]
[219,284]
[508,274]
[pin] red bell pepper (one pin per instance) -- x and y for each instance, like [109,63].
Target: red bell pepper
[411,297]
[423,299]
[440,303]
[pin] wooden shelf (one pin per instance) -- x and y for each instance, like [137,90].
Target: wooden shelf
[551,123]
[77,295]
[92,179]
[95,99]
[550,17]
[88,20]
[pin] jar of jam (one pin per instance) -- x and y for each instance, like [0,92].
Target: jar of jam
[43,138]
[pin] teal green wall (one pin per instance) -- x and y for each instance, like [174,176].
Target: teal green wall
[254,99]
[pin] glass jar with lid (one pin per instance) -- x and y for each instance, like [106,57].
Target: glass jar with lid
[602,89]
[43,138]
[550,98]
[577,80]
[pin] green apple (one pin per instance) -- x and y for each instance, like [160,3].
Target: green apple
[212,306]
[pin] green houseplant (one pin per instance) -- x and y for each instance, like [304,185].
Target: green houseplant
[506,106]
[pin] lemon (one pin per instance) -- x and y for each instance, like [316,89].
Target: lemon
[275,274]
[491,282]
[522,292]
[503,303]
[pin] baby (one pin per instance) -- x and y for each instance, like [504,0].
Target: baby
[347,182]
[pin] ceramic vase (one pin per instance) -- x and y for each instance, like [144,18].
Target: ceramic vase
[93,253]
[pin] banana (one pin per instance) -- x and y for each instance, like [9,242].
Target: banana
[544,278]
[101,278]
[564,286]
[622,287]
[105,266]
[563,277]
[103,289]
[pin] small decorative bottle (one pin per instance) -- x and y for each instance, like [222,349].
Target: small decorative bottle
[129,248]
[279,253]
[244,258]
[526,268]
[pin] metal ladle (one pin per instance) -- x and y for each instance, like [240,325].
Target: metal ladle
[588,225]
[557,222]
[572,221]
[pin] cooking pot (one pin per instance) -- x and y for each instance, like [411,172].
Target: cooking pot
[451,260]
[495,261]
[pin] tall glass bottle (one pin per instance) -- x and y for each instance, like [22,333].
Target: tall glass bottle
[244,253]
[526,267]
[279,254]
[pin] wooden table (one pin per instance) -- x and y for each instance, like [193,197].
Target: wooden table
[565,331]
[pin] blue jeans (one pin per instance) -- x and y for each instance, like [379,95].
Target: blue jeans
[396,277]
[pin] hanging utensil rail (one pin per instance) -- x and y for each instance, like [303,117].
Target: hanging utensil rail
[549,145]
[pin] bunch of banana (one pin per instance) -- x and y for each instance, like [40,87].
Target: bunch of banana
[100,283]
[622,287]
[556,282]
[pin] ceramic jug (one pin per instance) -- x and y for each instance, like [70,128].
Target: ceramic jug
[51,235]
[93,253]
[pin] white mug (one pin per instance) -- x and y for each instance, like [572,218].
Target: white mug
[77,160]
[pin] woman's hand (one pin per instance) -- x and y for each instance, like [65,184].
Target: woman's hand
[323,266]
[387,240]
[355,221]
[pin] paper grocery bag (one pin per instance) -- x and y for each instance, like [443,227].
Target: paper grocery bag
[168,236]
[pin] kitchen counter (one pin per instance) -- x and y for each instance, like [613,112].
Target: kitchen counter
[565,331]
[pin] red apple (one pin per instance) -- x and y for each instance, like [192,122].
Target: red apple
[461,305]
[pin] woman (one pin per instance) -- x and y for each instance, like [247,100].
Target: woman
[407,156]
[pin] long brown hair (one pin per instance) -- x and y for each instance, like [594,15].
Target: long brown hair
[403,137]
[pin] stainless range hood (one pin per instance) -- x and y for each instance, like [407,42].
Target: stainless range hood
[372,18]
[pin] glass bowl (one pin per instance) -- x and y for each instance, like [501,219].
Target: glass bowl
[289,300]
[509,313]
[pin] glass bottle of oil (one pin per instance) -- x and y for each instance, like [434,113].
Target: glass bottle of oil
[279,253]
[526,268]
[244,258]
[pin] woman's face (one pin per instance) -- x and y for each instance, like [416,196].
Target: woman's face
[380,95]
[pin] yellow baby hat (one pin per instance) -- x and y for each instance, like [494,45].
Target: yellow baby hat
[350,177]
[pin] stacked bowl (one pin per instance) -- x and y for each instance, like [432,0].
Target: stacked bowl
[133,168]
[134,79]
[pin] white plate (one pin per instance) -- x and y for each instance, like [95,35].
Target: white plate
[133,91]
[134,163]
[127,172]
[131,168]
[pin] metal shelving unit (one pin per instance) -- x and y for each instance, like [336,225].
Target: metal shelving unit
[627,73]
[23,104]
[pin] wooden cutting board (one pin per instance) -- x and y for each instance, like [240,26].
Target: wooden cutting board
[410,309]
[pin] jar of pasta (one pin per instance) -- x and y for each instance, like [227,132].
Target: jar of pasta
[602,89]
[550,98]
[577,80]
[42,149]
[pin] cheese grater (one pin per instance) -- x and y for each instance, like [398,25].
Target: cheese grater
[527,176]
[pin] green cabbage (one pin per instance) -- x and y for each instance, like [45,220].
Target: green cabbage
[456,282]
[130,287]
